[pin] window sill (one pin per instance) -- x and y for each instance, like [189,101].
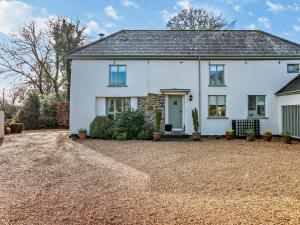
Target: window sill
[217,117]
[257,118]
[117,86]
[217,85]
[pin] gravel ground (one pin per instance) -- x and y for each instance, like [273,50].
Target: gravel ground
[46,178]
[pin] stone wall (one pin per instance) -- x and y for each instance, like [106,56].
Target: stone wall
[150,104]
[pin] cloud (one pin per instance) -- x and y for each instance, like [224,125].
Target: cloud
[111,12]
[274,7]
[237,8]
[13,14]
[93,27]
[129,3]
[251,27]
[295,7]
[264,21]
[166,15]
[297,28]
[184,4]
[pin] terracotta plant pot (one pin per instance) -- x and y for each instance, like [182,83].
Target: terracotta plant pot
[287,140]
[228,136]
[156,136]
[250,138]
[196,136]
[268,138]
[82,135]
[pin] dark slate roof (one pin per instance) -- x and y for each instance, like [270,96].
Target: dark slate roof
[293,87]
[190,43]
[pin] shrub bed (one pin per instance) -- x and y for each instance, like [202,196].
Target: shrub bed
[127,126]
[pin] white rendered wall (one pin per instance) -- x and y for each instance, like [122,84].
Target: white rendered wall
[285,100]
[90,80]
[244,78]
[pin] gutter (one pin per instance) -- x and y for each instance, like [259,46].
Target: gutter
[288,93]
[199,75]
[178,57]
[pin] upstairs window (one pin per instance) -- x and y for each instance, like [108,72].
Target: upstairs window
[216,105]
[256,106]
[293,68]
[216,75]
[114,106]
[117,75]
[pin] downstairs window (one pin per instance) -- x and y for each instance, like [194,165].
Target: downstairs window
[216,105]
[256,105]
[114,106]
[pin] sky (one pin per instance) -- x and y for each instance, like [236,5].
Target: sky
[279,17]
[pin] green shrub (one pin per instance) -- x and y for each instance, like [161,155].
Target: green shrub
[131,122]
[268,132]
[286,134]
[195,119]
[30,112]
[48,121]
[146,133]
[122,136]
[99,127]
[7,130]
[250,133]
[158,120]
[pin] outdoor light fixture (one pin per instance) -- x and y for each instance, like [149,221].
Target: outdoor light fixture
[191,97]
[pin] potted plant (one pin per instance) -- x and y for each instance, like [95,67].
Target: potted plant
[250,135]
[286,137]
[82,134]
[268,135]
[228,134]
[7,131]
[196,133]
[156,133]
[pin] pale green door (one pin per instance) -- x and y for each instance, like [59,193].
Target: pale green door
[175,111]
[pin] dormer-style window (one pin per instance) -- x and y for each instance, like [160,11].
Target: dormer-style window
[117,75]
[216,75]
[293,68]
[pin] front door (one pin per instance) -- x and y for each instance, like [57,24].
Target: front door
[175,111]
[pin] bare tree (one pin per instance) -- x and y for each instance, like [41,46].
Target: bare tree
[28,57]
[198,19]
[35,57]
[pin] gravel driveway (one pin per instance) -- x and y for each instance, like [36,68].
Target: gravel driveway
[46,178]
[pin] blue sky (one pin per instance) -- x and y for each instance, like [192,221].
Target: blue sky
[280,17]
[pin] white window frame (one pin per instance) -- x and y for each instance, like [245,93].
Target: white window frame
[114,113]
[256,107]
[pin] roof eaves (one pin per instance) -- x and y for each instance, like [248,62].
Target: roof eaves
[281,92]
[92,43]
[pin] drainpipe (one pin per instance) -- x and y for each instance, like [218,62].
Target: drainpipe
[199,71]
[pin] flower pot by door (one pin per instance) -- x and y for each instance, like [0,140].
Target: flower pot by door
[156,136]
[196,136]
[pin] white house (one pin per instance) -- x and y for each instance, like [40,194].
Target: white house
[226,75]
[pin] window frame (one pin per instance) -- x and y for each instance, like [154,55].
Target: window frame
[293,64]
[223,75]
[216,116]
[256,107]
[118,72]
[115,113]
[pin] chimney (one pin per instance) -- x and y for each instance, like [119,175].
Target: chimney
[101,35]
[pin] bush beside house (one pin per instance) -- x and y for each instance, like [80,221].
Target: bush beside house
[128,125]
